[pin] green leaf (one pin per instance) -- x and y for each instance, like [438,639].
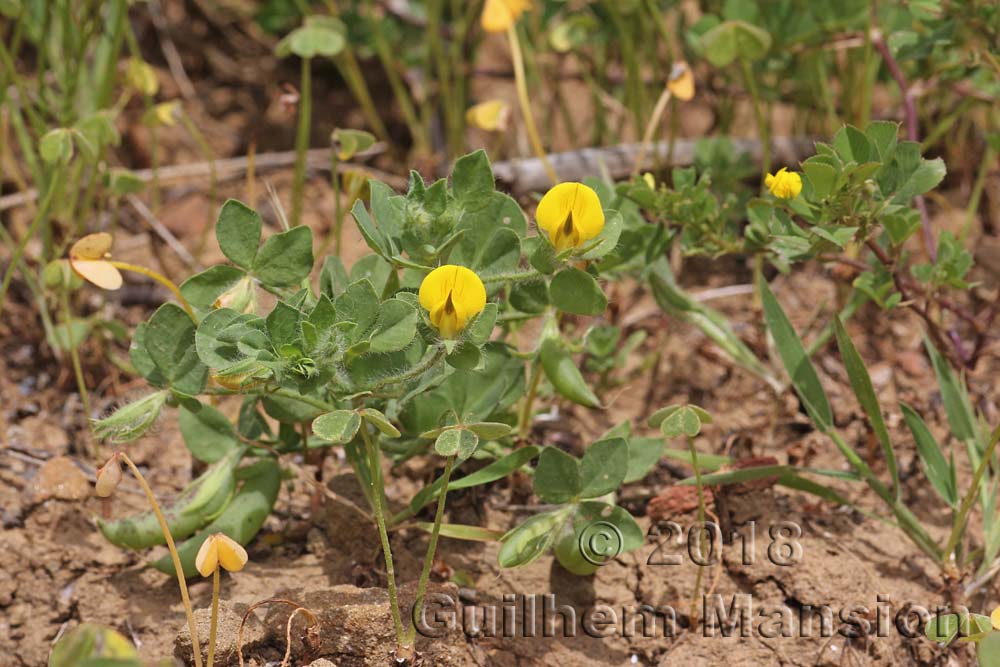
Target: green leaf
[796,361]
[683,421]
[530,297]
[205,288]
[91,645]
[851,144]
[489,430]
[954,396]
[988,650]
[643,454]
[607,240]
[339,426]
[459,442]
[459,531]
[822,177]
[289,410]
[557,476]
[238,232]
[564,375]
[861,383]
[318,36]
[169,340]
[734,39]
[472,177]
[395,327]
[208,434]
[285,259]
[527,542]
[379,421]
[56,147]
[884,135]
[603,467]
[938,471]
[349,143]
[575,291]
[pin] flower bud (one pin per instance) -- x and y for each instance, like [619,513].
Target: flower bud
[109,476]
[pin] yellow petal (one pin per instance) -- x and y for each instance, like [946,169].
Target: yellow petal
[452,295]
[92,246]
[500,15]
[232,555]
[570,214]
[681,82]
[100,272]
[491,116]
[995,618]
[207,560]
[784,184]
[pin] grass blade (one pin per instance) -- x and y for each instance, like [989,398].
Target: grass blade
[861,383]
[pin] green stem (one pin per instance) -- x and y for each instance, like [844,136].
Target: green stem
[511,277]
[763,129]
[414,372]
[308,400]
[214,624]
[41,215]
[338,213]
[958,526]
[425,573]
[378,495]
[701,521]
[74,355]
[524,417]
[302,140]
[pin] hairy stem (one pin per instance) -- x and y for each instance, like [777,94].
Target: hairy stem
[213,627]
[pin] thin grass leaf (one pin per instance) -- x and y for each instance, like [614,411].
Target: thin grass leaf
[940,474]
[796,361]
[861,383]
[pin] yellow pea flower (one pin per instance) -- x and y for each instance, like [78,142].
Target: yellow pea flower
[141,76]
[88,258]
[500,15]
[452,296]
[681,81]
[995,618]
[492,116]
[220,550]
[784,184]
[571,215]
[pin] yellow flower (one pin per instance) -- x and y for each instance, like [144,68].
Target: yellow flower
[500,15]
[452,296]
[141,76]
[784,184]
[492,116]
[681,81]
[995,618]
[571,215]
[219,549]
[89,259]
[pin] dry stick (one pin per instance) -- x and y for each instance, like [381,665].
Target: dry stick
[230,168]
[525,175]
[175,559]
[165,234]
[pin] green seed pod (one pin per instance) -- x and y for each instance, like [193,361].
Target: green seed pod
[197,504]
[241,520]
[562,372]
